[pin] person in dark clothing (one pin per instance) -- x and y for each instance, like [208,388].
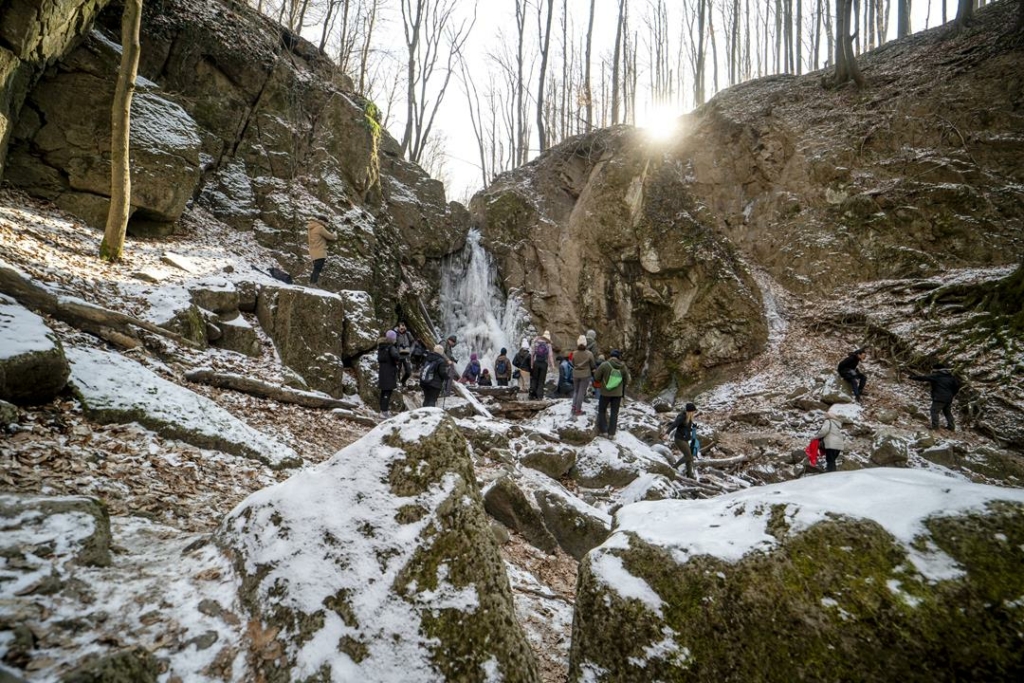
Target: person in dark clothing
[685,433]
[540,355]
[564,386]
[419,351]
[449,353]
[502,368]
[403,342]
[433,375]
[849,371]
[522,362]
[944,388]
[613,376]
[485,378]
[387,371]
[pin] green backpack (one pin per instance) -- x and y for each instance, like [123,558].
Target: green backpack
[614,379]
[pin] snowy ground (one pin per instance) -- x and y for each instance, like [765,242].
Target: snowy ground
[169,591]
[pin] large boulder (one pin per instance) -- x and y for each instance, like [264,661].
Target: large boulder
[61,149]
[115,389]
[606,462]
[405,583]
[58,529]
[874,575]
[602,231]
[33,368]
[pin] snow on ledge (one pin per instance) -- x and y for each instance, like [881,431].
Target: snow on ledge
[22,331]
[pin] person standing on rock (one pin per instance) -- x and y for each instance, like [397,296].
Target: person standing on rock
[944,388]
[449,353]
[613,376]
[849,371]
[403,342]
[540,356]
[433,375]
[387,370]
[685,436]
[522,363]
[832,439]
[592,343]
[583,366]
[502,368]
[318,236]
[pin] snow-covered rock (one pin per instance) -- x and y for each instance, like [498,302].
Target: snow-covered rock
[113,388]
[380,564]
[617,462]
[891,447]
[893,574]
[32,364]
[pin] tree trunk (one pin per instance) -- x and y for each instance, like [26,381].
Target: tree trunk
[964,13]
[799,37]
[255,387]
[616,59]
[846,60]
[588,91]
[903,18]
[545,45]
[112,246]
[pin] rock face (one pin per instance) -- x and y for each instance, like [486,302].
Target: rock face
[115,389]
[872,578]
[602,232]
[407,584]
[61,145]
[33,368]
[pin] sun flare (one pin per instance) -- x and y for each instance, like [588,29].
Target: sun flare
[662,122]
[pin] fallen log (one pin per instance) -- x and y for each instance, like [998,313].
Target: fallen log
[356,417]
[477,405]
[255,387]
[493,391]
[724,462]
[104,323]
[520,409]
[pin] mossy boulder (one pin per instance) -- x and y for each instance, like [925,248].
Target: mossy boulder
[33,368]
[56,528]
[882,575]
[236,334]
[404,581]
[891,447]
[578,527]
[506,501]
[606,462]
[554,460]
[131,665]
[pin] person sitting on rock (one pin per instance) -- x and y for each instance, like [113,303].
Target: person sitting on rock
[318,236]
[944,388]
[832,439]
[849,371]
[485,378]
[613,376]
[472,372]
[685,436]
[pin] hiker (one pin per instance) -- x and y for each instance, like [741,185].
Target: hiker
[318,236]
[485,379]
[540,354]
[449,353]
[583,366]
[685,436]
[848,370]
[522,363]
[564,386]
[433,375]
[613,376]
[944,386]
[592,343]
[404,342]
[472,371]
[832,439]
[502,368]
[419,351]
[387,370]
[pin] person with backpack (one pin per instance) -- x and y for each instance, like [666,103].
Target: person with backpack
[849,371]
[613,376]
[583,366]
[522,363]
[565,385]
[449,353]
[502,368]
[944,387]
[433,375]
[540,354]
[419,351]
[832,439]
[404,341]
[318,236]
[472,371]
[592,343]
[387,370]
[685,436]
[485,378]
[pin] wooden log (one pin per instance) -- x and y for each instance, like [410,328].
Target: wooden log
[255,387]
[355,417]
[496,392]
[79,313]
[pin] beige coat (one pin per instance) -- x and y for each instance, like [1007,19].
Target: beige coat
[319,236]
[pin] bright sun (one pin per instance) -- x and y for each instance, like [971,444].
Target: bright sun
[661,122]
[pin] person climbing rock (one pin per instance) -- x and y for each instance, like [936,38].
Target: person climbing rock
[849,371]
[583,366]
[471,373]
[433,375]
[540,356]
[404,342]
[832,439]
[685,435]
[387,370]
[318,236]
[613,376]
[502,368]
[944,388]
[522,363]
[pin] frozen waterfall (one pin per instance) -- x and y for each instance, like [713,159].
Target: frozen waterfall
[475,309]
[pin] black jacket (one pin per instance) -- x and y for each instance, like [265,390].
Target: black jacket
[944,385]
[848,364]
[439,373]
[388,358]
[682,427]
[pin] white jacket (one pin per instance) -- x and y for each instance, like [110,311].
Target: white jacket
[831,434]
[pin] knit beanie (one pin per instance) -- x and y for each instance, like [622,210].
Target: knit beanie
[472,356]
[582,341]
[391,335]
[439,349]
[503,351]
[547,335]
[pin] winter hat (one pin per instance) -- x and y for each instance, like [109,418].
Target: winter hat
[486,371]
[472,356]
[859,351]
[616,353]
[503,351]
[526,345]
[591,334]
[547,335]
[438,349]
[582,341]
[452,339]
[391,335]
[690,408]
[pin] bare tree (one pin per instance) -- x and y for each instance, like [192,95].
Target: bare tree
[588,92]
[903,18]
[616,62]
[964,13]
[544,40]
[846,60]
[112,246]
